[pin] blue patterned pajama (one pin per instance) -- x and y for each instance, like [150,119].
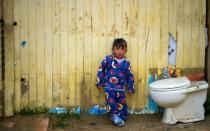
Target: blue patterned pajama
[114,75]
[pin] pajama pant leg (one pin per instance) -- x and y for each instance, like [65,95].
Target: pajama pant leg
[111,102]
[116,103]
[122,105]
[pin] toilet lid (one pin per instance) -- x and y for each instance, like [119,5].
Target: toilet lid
[170,84]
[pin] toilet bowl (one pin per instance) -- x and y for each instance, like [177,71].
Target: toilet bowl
[181,99]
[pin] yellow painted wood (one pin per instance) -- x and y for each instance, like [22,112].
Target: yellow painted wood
[72,51]
[95,50]
[9,58]
[32,53]
[118,18]
[40,52]
[67,40]
[79,50]
[86,90]
[126,31]
[48,67]
[110,25]
[202,43]
[180,33]
[195,47]
[134,50]
[141,53]
[64,52]
[149,42]
[104,43]
[172,17]
[157,34]
[164,33]
[24,53]
[56,54]
[196,9]
[187,34]
[17,55]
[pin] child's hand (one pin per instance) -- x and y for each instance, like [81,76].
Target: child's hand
[131,91]
[99,87]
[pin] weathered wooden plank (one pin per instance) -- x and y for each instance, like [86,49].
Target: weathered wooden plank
[126,32]
[32,52]
[187,34]
[118,18]
[86,90]
[95,49]
[40,52]
[56,54]
[164,33]
[134,50]
[79,49]
[9,58]
[48,13]
[109,24]
[64,52]
[141,53]
[202,43]
[104,45]
[72,51]
[24,53]
[149,41]
[195,47]
[196,8]
[157,28]
[17,55]
[172,17]
[180,33]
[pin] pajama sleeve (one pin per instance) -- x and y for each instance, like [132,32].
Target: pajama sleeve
[129,78]
[101,74]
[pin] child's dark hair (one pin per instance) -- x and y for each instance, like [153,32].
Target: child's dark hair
[119,43]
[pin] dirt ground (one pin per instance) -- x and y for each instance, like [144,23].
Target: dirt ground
[99,123]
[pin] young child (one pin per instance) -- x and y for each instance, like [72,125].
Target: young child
[113,75]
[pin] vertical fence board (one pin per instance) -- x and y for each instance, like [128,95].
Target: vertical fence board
[9,58]
[141,53]
[86,91]
[40,52]
[48,53]
[72,51]
[32,52]
[180,33]
[104,44]
[79,49]
[24,53]
[17,55]
[95,49]
[64,52]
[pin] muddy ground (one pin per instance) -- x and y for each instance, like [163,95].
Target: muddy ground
[86,122]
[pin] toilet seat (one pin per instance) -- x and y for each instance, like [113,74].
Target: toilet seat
[170,84]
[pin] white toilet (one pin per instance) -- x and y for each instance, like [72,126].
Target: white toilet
[181,99]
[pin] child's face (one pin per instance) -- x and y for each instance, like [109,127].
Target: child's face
[119,52]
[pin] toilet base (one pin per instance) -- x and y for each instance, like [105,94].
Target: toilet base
[170,118]
[190,110]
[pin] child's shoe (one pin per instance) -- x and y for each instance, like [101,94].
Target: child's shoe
[117,121]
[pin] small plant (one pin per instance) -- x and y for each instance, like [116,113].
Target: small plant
[61,120]
[32,111]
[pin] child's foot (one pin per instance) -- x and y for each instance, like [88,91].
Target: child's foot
[117,121]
